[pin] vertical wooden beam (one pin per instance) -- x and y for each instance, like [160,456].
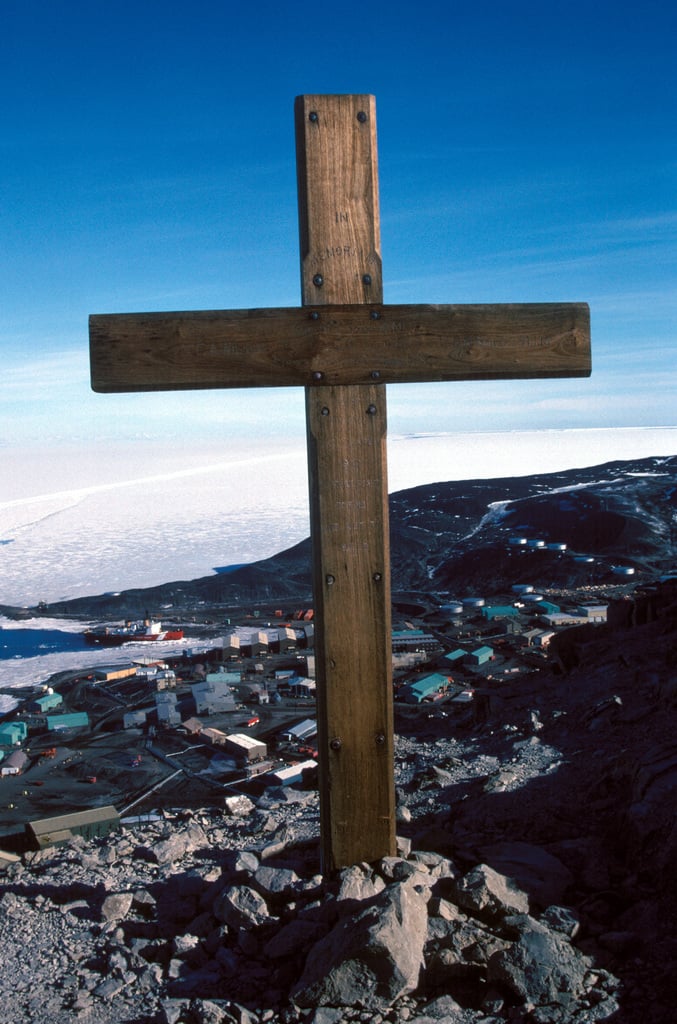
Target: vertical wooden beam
[341,263]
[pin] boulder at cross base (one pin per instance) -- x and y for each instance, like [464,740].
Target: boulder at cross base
[489,895]
[369,958]
[541,967]
[541,875]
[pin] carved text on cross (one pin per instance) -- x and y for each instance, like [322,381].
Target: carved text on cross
[343,345]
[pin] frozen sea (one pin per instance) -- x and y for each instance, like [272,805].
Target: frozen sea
[81,520]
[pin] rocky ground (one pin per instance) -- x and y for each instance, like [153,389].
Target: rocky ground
[171,924]
[534,882]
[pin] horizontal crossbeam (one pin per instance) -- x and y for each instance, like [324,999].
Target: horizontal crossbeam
[338,344]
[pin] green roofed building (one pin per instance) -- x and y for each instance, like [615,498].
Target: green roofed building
[12,733]
[499,611]
[480,656]
[426,688]
[46,702]
[548,608]
[75,720]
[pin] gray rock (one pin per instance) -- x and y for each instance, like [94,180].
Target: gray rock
[117,961]
[561,919]
[241,862]
[444,1009]
[240,1014]
[370,958]
[265,819]
[535,720]
[542,876]
[277,843]
[449,967]
[359,883]
[652,797]
[397,869]
[204,1011]
[83,1002]
[461,940]
[150,979]
[490,895]
[238,806]
[327,1015]
[403,845]
[108,856]
[110,987]
[275,881]
[174,968]
[144,902]
[116,906]
[179,843]
[541,967]
[445,909]
[293,938]
[240,907]
[437,865]
[184,945]
[439,930]
[201,925]
[503,780]
[302,797]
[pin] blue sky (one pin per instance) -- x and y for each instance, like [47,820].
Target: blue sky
[527,153]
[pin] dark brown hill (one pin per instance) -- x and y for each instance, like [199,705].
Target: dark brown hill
[455,537]
[621,514]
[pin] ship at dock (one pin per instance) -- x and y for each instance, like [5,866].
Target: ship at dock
[131,632]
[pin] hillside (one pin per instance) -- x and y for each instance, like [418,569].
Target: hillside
[535,882]
[537,838]
[454,538]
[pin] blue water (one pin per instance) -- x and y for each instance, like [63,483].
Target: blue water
[30,643]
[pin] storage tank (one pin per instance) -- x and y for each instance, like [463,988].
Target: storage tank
[452,608]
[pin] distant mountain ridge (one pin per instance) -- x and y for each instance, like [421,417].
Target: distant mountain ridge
[454,537]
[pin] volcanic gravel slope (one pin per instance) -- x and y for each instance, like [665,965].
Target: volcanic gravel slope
[535,880]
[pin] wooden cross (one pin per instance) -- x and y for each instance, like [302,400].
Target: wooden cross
[343,345]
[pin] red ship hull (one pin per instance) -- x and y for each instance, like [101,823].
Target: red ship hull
[132,633]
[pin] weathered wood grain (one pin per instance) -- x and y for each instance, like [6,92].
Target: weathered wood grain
[335,344]
[337,175]
[351,572]
[346,428]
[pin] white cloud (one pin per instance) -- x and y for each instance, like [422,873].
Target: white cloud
[42,376]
